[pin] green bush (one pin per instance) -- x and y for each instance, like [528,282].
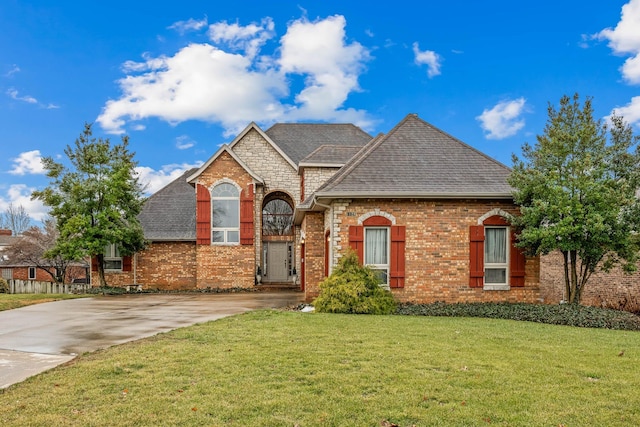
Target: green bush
[4,286]
[352,288]
[563,314]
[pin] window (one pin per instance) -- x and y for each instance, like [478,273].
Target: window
[277,218]
[376,251]
[496,255]
[225,205]
[32,273]
[112,258]
[495,264]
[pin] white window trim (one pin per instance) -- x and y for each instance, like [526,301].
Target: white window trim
[498,286]
[225,230]
[386,266]
[34,275]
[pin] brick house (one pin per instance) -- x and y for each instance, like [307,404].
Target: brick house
[13,270]
[280,207]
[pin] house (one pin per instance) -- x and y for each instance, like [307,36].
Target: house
[27,271]
[280,207]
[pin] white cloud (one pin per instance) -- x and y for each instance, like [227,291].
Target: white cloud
[189,25]
[249,38]
[154,180]
[429,58]
[503,120]
[20,195]
[630,112]
[624,39]
[15,69]
[29,162]
[13,93]
[184,142]
[230,83]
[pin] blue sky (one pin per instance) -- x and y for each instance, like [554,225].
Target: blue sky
[181,80]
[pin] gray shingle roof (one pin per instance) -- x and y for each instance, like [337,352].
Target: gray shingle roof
[298,140]
[418,159]
[170,214]
[331,155]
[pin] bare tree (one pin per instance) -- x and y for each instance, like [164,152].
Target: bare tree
[34,247]
[15,218]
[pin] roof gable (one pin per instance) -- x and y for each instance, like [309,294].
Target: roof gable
[223,149]
[299,140]
[416,159]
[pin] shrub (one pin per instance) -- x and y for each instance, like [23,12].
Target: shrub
[4,286]
[352,288]
[564,314]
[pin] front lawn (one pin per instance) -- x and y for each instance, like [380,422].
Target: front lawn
[11,301]
[274,368]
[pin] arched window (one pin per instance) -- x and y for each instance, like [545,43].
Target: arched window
[277,218]
[225,206]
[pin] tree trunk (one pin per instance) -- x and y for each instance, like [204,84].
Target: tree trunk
[103,281]
[567,282]
[575,286]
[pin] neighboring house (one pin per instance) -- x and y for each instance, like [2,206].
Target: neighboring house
[14,270]
[280,207]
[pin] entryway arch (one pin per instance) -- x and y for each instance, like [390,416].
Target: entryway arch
[278,238]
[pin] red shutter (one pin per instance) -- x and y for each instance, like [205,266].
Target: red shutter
[398,238]
[94,263]
[203,215]
[246,216]
[516,264]
[356,240]
[476,256]
[126,263]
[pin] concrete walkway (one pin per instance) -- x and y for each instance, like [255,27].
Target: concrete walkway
[39,337]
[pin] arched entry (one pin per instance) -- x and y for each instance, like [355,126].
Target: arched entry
[278,249]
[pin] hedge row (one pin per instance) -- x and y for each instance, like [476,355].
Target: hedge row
[564,314]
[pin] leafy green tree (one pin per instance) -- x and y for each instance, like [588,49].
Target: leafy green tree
[577,191]
[95,201]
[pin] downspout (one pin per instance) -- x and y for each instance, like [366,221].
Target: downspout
[331,236]
[135,268]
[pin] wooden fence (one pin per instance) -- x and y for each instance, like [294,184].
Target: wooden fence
[35,287]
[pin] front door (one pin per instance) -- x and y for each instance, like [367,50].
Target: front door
[277,267]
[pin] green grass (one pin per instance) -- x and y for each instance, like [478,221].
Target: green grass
[11,301]
[273,368]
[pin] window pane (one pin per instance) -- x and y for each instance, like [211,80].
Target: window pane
[375,246]
[225,190]
[226,213]
[218,236]
[495,275]
[113,264]
[382,275]
[277,218]
[495,246]
[233,236]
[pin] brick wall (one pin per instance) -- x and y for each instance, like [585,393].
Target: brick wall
[313,227]
[437,248]
[226,266]
[615,289]
[22,273]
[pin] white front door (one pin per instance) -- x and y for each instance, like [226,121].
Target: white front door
[277,261]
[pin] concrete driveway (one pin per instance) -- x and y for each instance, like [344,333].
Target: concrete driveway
[40,337]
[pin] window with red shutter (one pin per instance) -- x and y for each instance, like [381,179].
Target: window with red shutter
[494,260]
[356,240]
[397,264]
[203,215]
[246,216]
[476,256]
